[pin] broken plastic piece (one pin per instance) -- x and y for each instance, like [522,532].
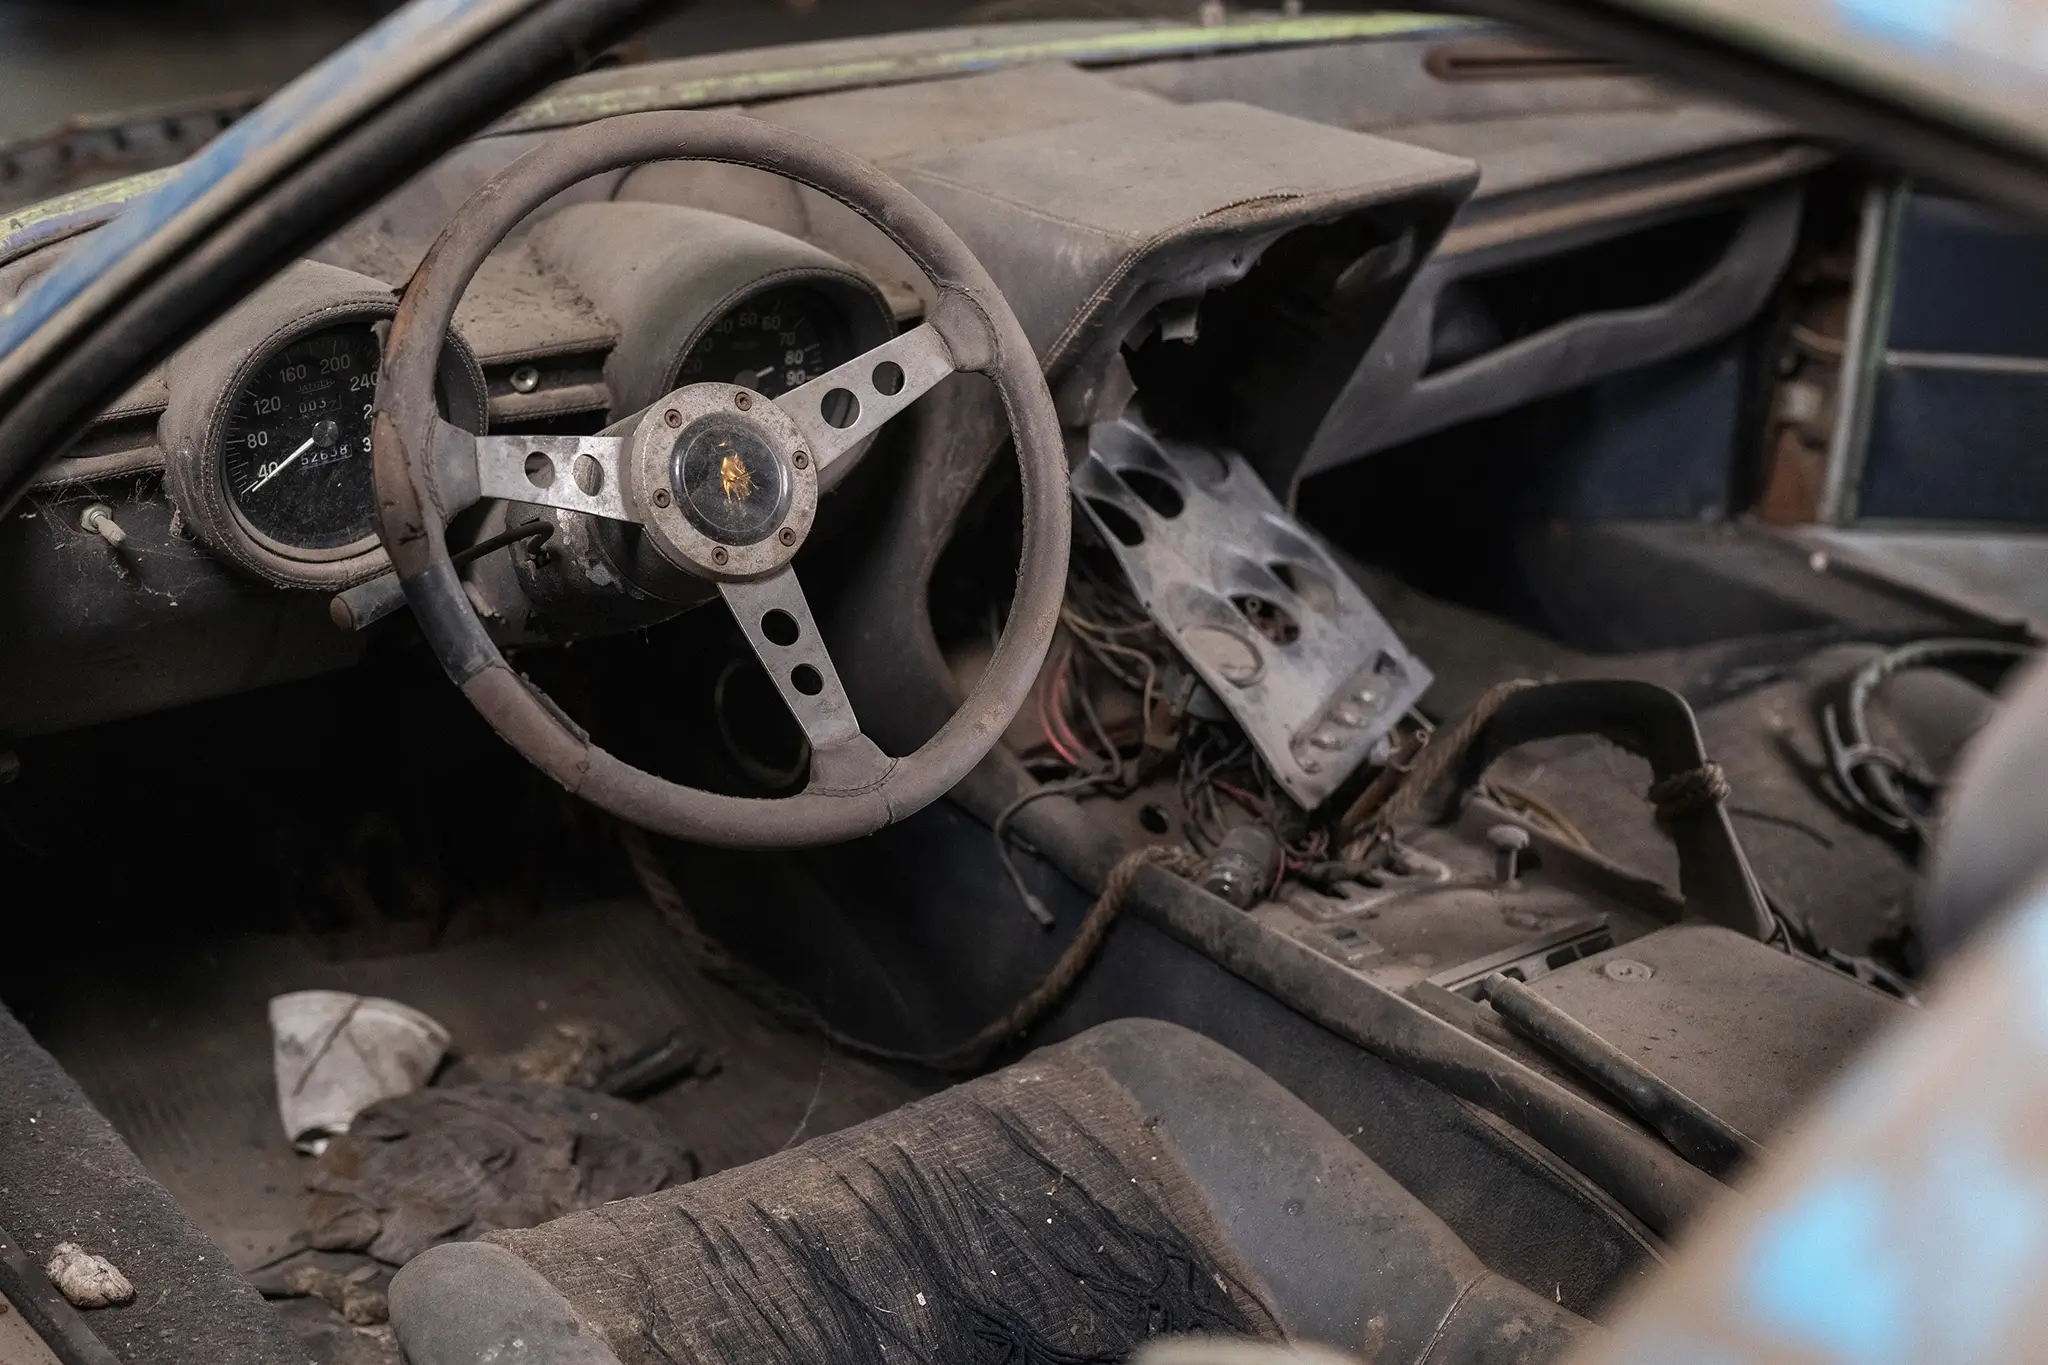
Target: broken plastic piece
[354,1295]
[335,1054]
[86,1280]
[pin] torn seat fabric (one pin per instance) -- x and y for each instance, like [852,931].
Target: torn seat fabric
[1133,1182]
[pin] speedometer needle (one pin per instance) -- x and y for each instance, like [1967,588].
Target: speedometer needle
[279,467]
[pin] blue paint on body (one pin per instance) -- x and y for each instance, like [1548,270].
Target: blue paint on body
[1978,1229]
[1916,23]
[1820,1273]
[266,124]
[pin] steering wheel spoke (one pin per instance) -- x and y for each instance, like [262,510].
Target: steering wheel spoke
[571,473]
[844,406]
[777,620]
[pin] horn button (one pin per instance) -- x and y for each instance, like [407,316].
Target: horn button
[733,485]
[722,481]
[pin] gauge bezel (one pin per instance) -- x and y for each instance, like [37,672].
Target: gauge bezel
[211,374]
[216,437]
[859,316]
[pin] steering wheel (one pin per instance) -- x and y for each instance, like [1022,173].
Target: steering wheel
[724,483]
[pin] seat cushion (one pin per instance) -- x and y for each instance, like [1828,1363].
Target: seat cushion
[1136,1181]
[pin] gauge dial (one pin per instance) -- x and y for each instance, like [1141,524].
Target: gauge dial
[771,343]
[295,448]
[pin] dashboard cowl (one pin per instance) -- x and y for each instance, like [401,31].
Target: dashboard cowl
[663,273]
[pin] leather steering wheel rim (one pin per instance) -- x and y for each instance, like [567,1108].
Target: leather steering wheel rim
[979,330]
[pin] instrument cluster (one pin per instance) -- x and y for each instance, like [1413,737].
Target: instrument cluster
[266,435]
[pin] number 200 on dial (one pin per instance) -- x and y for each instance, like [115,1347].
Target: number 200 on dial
[295,449]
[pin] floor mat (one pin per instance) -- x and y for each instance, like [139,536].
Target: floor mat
[175,1050]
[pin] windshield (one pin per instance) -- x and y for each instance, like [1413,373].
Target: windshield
[91,95]
[65,63]
[1981,65]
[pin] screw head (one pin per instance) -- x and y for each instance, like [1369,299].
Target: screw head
[662,497]
[1627,969]
[801,460]
[1508,838]
[672,417]
[743,400]
[788,535]
[719,555]
[525,379]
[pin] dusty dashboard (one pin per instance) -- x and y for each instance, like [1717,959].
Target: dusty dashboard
[197,534]
[1236,221]
[261,424]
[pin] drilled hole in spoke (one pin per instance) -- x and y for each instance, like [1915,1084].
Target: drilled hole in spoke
[840,409]
[540,470]
[1121,524]
[888,378]
[589,475]
[780,628]
[807,680]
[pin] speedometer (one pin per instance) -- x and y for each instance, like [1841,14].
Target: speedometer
[295,448]
[267,435]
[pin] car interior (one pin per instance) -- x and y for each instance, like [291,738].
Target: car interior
[1340,643]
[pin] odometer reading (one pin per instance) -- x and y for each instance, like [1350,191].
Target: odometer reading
[295,449]
[770,343]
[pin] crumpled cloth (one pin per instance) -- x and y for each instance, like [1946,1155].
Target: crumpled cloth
[453,1163]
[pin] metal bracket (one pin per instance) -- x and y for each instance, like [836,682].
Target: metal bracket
[1266,616]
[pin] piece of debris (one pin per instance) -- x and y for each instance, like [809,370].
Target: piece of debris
[575,1052]
[86,1280]
[331,1339]
[354,1295]
[335,1054]
[589,1056]
[455,1162]
[658,1066]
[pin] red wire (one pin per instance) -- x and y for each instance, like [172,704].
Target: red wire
[1060,683]
[1045,724]
[1242,797]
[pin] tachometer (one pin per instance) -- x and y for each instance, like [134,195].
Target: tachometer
[770,343]
[295,448]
